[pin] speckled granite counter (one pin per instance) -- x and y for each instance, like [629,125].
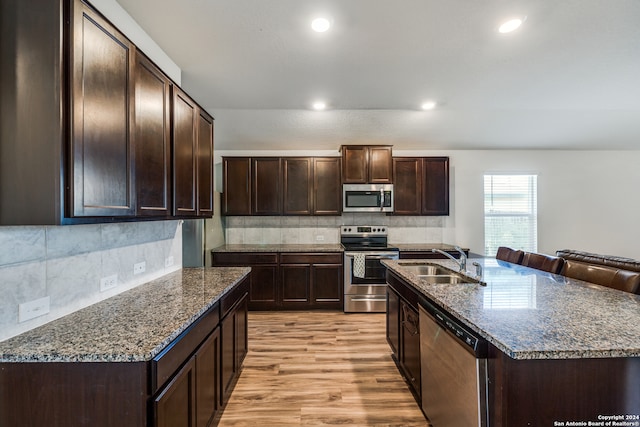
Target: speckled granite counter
[132,326]
[423,247]
[530,314]
[279,248]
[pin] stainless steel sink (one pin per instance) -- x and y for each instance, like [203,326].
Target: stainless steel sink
[434,273]
[426,269]
[450,279]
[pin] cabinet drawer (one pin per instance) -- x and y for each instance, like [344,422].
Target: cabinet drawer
[230,299]
[167,363]
[243,258]
[311,258]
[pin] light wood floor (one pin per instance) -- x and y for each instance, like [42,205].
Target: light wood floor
[320,368]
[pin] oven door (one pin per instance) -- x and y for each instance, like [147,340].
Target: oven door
[373,281]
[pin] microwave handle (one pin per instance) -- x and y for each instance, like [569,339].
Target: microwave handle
[381,200]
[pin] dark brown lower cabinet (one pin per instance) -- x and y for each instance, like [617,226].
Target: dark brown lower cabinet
[263,287]
[289,280]
[185,385]
[311,280]
[234,347]
[403,332]
[175,406]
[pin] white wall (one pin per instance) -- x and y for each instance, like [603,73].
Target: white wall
[587,200]
[119,17]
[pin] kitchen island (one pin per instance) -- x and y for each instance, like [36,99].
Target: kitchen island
[560,350]
[140,358]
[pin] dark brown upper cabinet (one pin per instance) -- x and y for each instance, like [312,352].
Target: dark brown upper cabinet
[252,186]
[297,174]
[281,186]
[236,181]
[407,188]
[362,164]
[185,122]
[266,186]
[435,186]
[152,139]
[205,164]
[85,122]
[421,185]
[327,189]
[192,158]
[101,96]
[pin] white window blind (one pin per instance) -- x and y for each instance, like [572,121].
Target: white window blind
[510,212]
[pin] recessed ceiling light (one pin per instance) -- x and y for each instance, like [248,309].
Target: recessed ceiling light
[428,105]
[319,105]
[510,25]
[320,25]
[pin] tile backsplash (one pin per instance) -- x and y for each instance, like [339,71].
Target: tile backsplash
[319,229]
[66,264]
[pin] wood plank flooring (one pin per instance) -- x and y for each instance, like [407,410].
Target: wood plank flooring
[320,368]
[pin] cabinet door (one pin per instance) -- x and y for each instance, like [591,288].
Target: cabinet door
[295,285]
[242,331]
[236,181]
[185,114]
[205,165]
[263,289]
[208,379]
[227,356]
[407,188]
[152,139]
[102,62]
[327,289]
[355,161]
[327,189]
[393,321]
[175,406]
[380,165]
[435,186]
[266,188]
[410,345]
[297,185]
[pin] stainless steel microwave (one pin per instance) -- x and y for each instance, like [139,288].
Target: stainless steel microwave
[367,198]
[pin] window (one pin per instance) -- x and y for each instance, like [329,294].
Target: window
[510,212]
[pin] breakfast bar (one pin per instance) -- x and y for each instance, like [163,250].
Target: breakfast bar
[558,349]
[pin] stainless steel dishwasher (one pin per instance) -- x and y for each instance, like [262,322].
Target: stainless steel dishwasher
[454,370]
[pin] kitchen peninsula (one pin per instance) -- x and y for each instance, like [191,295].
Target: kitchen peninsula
[558,349]
[143,357]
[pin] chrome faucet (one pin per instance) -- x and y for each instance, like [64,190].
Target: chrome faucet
[462,262]
[478,269]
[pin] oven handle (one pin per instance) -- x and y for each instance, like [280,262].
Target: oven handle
[389,256]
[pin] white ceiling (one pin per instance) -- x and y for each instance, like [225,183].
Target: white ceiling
[569,78]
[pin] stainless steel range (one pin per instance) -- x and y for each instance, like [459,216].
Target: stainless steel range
[365,284]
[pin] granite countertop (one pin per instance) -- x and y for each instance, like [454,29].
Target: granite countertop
[531,314]
[423,247]
[312,247]
[334,247]
[133,326]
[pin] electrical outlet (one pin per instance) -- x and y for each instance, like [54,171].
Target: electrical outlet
[139,267]
[168,261]
[108,282]
[320,238]
[32,309]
